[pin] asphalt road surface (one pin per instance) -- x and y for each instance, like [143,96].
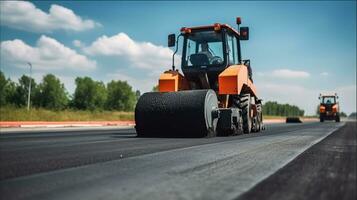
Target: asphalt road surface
[115,164]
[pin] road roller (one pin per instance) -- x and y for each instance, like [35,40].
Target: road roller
[329,107]
[212,95]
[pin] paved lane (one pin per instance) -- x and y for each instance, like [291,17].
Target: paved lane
[118,165]
[26,153]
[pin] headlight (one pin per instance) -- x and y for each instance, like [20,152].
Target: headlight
[334,108]
[322,109]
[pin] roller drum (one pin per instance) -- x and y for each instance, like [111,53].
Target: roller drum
[176,114]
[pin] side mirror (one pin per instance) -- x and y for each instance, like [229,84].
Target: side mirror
[244,33]
[171,40]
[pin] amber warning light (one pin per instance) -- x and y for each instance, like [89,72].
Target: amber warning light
[239,21]
[217,27]
[185,30]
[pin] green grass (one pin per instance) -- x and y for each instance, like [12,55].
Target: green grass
[8,113]
[284,117]
[273,117]
[40,114]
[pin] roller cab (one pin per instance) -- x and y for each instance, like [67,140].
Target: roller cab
[214,94]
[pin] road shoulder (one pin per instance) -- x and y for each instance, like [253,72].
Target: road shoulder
[327,170]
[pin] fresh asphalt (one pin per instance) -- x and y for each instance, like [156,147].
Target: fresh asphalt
[115,164]
[327,170]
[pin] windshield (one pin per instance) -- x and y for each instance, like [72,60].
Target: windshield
[328,100]
[204,48]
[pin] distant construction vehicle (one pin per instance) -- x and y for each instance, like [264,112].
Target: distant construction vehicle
[215,95]
[329,107]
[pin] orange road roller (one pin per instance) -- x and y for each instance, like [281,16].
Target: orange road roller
[329,107]
[214,94]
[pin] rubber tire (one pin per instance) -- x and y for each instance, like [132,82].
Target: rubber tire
[244,104]
[254,124]
[238,130]
[259,118]
[337,119]
[322,119]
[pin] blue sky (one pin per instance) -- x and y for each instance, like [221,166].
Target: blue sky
[297,49]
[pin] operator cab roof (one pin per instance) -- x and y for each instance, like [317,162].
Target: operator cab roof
[332,94]
[216,27]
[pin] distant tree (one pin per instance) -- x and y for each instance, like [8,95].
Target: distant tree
[301,113]
[353,115]
[120,96]
[21,92]
[276,109]
[155,88]
[137,94]
[10,91]
[89,94]
[51,93]
[3,93]
[342,114]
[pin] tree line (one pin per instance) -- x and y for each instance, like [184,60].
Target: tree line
[276,109]
[51,94]
[91,95]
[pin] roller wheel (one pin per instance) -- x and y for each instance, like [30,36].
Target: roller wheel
[176,114]
[245,106]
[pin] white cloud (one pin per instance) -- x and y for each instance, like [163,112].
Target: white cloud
[143,55]
[324,74]
[77,43]
[149,59]
[47,54]
[287,73]
[24,15]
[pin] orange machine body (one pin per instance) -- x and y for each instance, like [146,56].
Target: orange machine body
[322,109]
[329,110]
[172,81]
[234,79]
[335,108]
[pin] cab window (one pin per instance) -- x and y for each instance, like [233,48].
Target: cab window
[232,50]
[204,48]
[328,100]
